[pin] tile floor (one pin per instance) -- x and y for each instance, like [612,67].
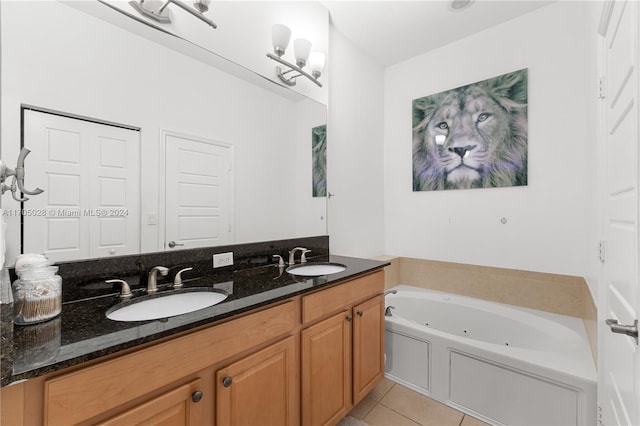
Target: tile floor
[391,404]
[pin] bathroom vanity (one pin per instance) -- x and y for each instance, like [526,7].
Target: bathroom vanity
[280,350]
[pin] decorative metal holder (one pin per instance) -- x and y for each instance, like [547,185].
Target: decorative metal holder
[157,10]
[290,80]
[17,184]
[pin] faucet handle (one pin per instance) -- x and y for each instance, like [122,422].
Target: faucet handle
[177,280]
[125,293]
[303,258]
[280,260]
[292,254]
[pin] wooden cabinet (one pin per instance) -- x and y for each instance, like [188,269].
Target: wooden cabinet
[110,388]
[179,407]
[343,353]
[307,360]
[368,346]
[326,370]
[260,389]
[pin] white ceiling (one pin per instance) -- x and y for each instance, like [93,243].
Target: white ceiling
[393,31]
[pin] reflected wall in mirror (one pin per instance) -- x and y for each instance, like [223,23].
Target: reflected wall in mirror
[113,75]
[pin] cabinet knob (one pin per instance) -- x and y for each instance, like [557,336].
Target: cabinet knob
[349,318]
[359,313]
[196,396]
[226,382]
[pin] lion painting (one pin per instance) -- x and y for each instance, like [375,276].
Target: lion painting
[474,136]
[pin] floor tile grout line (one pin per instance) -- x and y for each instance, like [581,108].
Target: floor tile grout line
[410,418]
[370,409]
[400,414]
[388,390]
[378,401]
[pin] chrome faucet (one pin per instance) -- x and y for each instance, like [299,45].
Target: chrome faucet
[387,311]
[152,281]
[390,292]
[292,254]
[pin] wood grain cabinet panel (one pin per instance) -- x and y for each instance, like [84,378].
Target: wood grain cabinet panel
[326,370]
[178,407]
[368,346]
[261,389]
[325,302]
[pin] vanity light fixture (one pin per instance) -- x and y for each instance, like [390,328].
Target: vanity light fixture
[280,35]
[157,10]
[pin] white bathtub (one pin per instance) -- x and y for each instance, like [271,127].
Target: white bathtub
[502,364]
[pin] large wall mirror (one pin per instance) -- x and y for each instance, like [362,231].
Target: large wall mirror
[130,137]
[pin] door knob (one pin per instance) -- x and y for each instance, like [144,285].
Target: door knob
[629,330]
[173,244]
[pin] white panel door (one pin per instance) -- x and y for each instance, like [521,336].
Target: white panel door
[621,356]
[197,192]
[91,180]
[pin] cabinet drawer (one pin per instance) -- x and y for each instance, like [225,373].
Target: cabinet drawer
[325,302]
[86,393]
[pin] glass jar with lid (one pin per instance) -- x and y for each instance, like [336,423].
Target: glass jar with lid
[37,294]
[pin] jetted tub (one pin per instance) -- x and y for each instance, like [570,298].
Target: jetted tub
[500,363]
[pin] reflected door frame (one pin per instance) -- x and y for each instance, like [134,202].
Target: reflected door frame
[162,173]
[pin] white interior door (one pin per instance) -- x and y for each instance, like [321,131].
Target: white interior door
[91,180]
[198,202]
[620,375]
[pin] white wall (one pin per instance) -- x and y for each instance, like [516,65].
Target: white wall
[56,57]
[355,151]
[546,220]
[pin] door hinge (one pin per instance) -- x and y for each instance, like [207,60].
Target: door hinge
[601,250]
[601,92]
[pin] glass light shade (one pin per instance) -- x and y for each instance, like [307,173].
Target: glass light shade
[301,50]
[202,5]
[280,35]
[316,62]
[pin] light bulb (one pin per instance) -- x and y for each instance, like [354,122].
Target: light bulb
[280,35]
[301,49]
[316,63]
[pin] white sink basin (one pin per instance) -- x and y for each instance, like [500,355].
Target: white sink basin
[165,306]
[316,269]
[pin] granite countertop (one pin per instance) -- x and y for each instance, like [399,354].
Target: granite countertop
[82,332]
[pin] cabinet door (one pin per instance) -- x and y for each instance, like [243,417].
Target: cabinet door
[180,406]
[326,370]
[368,346]
[261,389]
